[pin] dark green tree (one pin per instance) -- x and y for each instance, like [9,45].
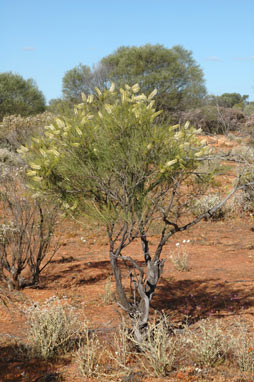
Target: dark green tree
[60,106]
[76,81]
[82,79]
[19,96]
[228,100]
[173,72]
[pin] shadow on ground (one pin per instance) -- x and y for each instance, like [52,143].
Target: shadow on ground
[16,367]
[200,299]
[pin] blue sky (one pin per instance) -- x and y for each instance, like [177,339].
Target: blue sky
[42,39]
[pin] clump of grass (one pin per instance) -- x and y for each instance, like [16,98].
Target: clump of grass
[107,297]
[207,202]
[243,201]
[53,328]
[244,152]
[207,344]
[180,258]
[89,355]
[159,348]
[122,350]
[242,345]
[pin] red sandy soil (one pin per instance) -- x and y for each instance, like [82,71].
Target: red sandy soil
[220,284]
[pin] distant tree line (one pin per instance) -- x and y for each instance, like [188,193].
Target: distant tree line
[175,74]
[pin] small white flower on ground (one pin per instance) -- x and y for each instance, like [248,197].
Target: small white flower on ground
[177,244]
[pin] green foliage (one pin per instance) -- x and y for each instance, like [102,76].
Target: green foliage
[81,79]
[173,72]
[111,161]
[59,106]
[19,96]
[229,100]
[249,109]
[76,81]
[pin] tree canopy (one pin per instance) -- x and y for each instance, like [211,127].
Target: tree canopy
[228,100]
[76,81]
[19,96]
[173,72]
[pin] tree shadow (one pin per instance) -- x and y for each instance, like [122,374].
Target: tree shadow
[15,366]
[199,299]
[82,272]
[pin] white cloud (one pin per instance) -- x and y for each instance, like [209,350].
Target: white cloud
[29,49]
[251,58]
[214,59]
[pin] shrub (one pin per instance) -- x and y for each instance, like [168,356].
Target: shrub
[27,226]
[113,163]
[205,203]
[215,120]
[243,201]
[180,259]
[16,130]
[159,349]
[242,345]
[206,344]
[53,328]
[244,152]
[89,355]
[10,158]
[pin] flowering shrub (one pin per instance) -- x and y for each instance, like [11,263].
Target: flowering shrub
[114,162]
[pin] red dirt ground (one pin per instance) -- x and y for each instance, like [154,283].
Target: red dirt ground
[220,284]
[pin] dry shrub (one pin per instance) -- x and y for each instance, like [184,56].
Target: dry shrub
[180,258]
[108,295]
[159,350]
[206,345]
[10,158]
[27,225]
[53,328]
[244,153]
[89,355]
[243,202]
[16,130]
[215,120]
[242,345]
[205,203]
[123,351]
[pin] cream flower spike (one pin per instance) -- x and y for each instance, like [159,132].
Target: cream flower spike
[135,88]
[112,87]
[83,96]
[151,95]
